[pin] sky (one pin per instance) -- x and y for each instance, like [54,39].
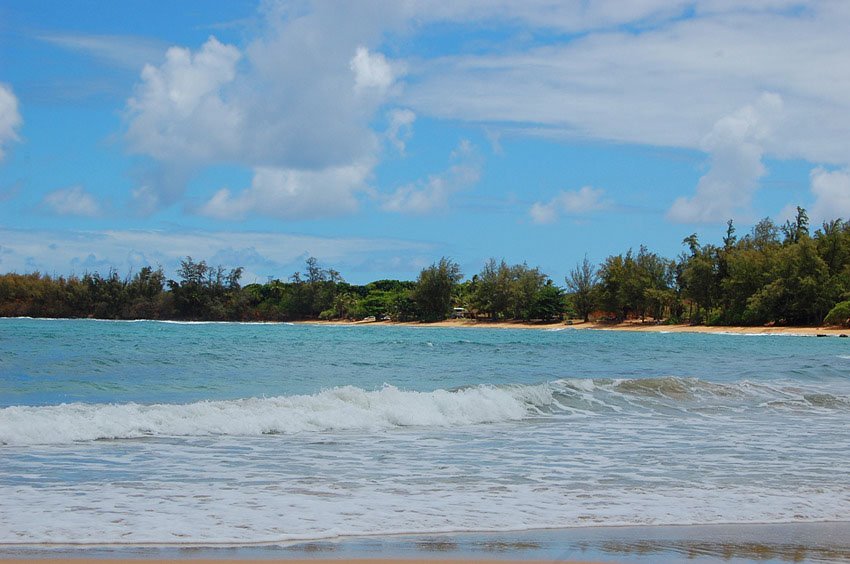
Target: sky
[380,136]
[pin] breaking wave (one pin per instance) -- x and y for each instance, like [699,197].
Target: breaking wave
[352,408]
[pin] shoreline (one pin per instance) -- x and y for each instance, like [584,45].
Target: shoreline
[732,543]
[627,326]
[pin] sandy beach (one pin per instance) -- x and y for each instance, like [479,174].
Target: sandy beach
[635,326]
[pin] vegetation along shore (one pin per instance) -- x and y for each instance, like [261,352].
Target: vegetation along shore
[775,276]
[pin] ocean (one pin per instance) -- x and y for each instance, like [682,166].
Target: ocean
[137,433]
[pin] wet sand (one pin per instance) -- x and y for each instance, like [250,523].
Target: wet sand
[309,561]
[734,543]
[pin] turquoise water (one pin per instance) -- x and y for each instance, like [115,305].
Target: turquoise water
[168,432]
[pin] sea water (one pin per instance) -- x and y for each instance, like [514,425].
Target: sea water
[155,432]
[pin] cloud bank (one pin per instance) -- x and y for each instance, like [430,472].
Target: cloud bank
[262,254]
[663,80]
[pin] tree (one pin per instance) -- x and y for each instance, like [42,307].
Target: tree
[625,279]
[548,302]
[796,230]
[699,278]
[582,282]
[729,239]
[765,234]
[525,284]
[433,294]
[144,292]
[492,289]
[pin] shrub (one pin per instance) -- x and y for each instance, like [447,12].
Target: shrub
[839,315]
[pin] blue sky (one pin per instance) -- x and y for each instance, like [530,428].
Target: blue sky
[380,136]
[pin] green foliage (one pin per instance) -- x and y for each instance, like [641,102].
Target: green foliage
[205,292]
[839,315]
[626,282]
[583,282]
[501,291]
[548,303]
[491,289]
[434,289]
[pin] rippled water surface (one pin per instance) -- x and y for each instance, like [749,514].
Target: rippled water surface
[166,432]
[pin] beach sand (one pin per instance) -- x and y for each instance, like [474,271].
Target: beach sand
[625,326]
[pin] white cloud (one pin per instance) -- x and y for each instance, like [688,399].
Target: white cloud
[72,201]
[293,193]
[662,84]
[10,119]
[656,72]
[571,203]
[736,146]
[299,98]
[832,195]
[371,70]
[400,128]
[178,111]
[433,194]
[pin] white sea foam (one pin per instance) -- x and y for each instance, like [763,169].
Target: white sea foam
[348,408]
[163,513]
[341,408]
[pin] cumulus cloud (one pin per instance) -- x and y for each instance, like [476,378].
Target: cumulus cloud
[571,203]
[10,119]
[72,201]
[298,99]
[293,194]
[371,70]
[179,111]
[736,145]
[432,194]
[831,190]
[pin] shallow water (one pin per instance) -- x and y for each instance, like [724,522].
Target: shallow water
[165,432]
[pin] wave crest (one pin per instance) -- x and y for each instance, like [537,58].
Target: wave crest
[352,408]
[341,408]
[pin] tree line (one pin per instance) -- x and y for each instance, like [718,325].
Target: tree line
[775,274]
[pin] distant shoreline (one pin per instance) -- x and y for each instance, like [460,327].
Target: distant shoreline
[629,326]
